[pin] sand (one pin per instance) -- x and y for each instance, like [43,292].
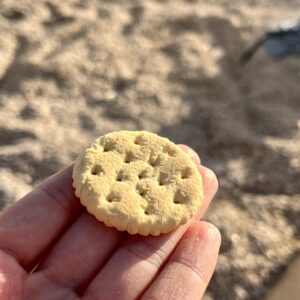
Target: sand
[74,70]
[288,286]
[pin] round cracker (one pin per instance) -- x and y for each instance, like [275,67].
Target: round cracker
[138,181]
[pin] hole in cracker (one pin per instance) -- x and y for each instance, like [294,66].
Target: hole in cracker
[153,161]
[180,198]
[138,140]
[108,146]
[97,170]
[121,176]
[147,212]
[142,193]
[142,175]
[186,173]
[169,150]
[163,179]
[128,158]
[112,198]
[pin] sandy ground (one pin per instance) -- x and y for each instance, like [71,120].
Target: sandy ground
[73,70]
[288,286]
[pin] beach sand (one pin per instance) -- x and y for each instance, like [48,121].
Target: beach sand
[73,70]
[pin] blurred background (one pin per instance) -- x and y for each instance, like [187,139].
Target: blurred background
[73,70]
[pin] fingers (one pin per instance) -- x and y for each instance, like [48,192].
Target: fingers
[194,156]
[189,269]
[132,267]
[29,226]
[12,277]
[210,187]
[87,244]
[121,276]
[209,180]
[32,225]
[90,241]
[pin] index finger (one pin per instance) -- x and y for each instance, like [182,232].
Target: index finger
[30,226]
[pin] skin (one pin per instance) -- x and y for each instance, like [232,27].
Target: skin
[51,248]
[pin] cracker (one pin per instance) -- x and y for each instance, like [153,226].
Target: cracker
[138,181]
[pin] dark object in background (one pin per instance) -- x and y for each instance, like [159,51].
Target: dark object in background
[277,43]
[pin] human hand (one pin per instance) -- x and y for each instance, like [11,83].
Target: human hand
[80,258]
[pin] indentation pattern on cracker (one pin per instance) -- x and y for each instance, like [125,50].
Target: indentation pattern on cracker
[138,181]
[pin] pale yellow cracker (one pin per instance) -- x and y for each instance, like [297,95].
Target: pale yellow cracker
[138,181]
